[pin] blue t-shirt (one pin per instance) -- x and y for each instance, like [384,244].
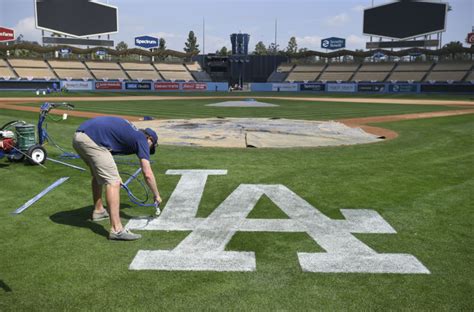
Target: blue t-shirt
[118,135]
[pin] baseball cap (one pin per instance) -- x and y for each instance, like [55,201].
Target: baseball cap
[154,137]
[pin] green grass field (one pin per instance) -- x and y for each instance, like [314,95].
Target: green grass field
[53,258]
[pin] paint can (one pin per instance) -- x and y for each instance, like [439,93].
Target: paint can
[25,136]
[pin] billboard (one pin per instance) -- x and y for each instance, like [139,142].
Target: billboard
[469,39]
[285,87]
[333,43]
[341,87]
[6,34]
[402,88]
[166,86]
[448,88]
[76,18]
[146,42]
[361,87]
[315,87]
[195,86]
[77,85]
[106,85]
[138,86]
[405,19]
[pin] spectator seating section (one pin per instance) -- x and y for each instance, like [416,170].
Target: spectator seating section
[141,71]
[32,69]
[443,72]
[470,77]
[373,72]
[305,72]
[198,73]
[106,71]
[173,72]
[70,70]
[285,68]
[338,72]
[5,71]
[410,72]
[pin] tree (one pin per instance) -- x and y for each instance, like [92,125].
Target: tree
[162,45]
[223,51]
[453,47]
[191,46]
[292,47]
[260,49]
[273,48]
[121,46]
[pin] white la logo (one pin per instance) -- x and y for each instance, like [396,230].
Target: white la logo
[204,248]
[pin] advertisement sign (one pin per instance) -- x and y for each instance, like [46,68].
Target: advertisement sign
[77,85]
[341,87]
[100,53]
[371,87]
[333,43]
[65,51]
[402,88]
[106,85]
[146,42]
[166,86]
[195,86]
[445,88]
[6,34]
[469,39]
[315,87]
[285,87]
[138,86]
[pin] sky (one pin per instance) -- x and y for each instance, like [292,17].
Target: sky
[307,20]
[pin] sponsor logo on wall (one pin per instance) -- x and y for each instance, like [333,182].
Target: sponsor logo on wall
[6,34]
[166,86]
[396,88]
[77,85]
[288,87]
[105,85]
[195,86]
[371,87]
[315,87]
[341,87]
[138,86]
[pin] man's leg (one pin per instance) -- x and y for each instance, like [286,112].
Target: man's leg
[112,194]
[97,196]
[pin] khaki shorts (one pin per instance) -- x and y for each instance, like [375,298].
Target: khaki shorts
[98,158]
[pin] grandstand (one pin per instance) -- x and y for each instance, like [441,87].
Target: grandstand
[339,72]
[106,70]
[31,69]
[375,72]
[173,72]
[197,72]
[410,72]
[141,71]
[5,72]
[70,70]
[446,72]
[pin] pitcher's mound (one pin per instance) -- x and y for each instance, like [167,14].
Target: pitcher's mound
[256,132]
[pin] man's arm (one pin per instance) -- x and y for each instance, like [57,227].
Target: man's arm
[150,179]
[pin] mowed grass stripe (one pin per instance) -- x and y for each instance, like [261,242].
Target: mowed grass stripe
[287,109]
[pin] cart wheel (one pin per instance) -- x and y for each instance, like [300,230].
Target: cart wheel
[38,155]
[15,157]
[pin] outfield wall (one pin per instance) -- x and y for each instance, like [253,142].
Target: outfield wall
[114,86]
[349,87]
